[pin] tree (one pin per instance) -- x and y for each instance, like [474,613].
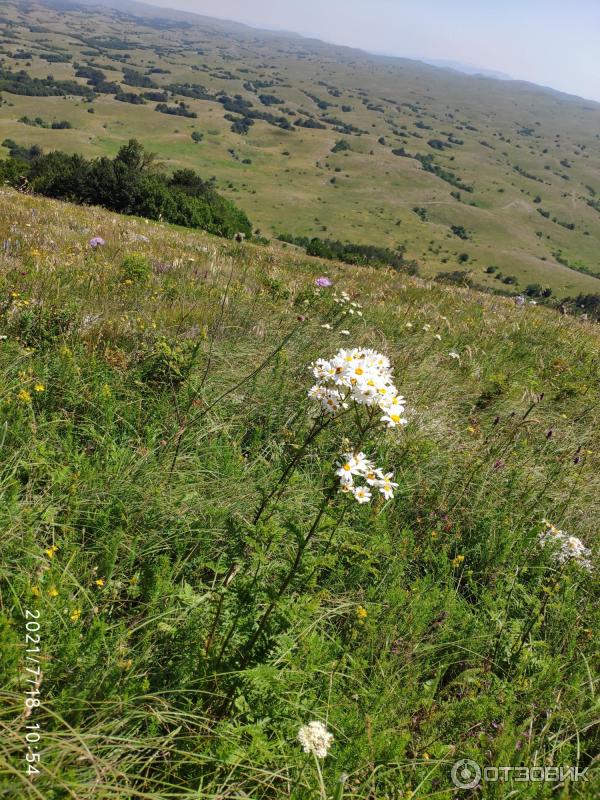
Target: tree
[135,157]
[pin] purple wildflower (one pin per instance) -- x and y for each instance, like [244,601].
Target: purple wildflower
[97,241]
[323,282]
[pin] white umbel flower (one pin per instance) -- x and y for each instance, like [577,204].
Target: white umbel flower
[315,739]
[565,548]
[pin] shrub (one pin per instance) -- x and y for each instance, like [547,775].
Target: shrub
[270,100]
[459,230]
[166,364]
[135,267]
[40,327]
[130,97]
[340,146]
[180,110]
[458,277]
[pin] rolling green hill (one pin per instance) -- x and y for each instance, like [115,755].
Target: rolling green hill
[498,178]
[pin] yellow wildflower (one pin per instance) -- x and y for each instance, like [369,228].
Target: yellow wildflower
[51,551]
[99,582]
[362,613]
[75,615]
[53,591]
[39,387]
[24,396]
[456,562]
[35,591]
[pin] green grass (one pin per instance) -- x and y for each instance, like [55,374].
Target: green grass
[150,403]
[375,191]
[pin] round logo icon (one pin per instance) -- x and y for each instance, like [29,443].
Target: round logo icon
[466,774]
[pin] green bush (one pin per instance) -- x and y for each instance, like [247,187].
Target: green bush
[135,267]
[130,183]
[166,364]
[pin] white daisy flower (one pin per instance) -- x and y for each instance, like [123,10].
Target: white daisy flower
[362,494]
[392,419]
[365,378]
[387,486]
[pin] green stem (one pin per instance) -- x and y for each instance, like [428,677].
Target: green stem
[321,781]
[248,647]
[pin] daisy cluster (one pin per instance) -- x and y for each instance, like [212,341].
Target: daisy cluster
[566,548]
[315,739]
[361,376]
[357,465]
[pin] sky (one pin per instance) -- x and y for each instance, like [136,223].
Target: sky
[550,42]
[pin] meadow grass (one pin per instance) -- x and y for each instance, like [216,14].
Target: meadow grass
[154,397]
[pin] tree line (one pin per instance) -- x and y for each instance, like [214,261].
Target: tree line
[351,253]
[130,183]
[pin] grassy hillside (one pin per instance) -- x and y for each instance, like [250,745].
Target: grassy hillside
[172,523]
[529,155]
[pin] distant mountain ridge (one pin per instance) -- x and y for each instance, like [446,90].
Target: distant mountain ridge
[147,10]
[467,69]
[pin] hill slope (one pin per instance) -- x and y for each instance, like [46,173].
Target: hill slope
[170,515]
[508,174]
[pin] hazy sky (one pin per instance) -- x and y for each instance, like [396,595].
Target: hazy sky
[552,42]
